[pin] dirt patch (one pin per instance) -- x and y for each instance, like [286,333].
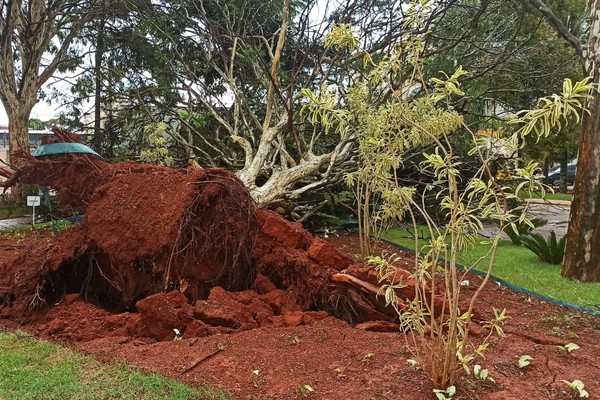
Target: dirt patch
[228,335]
[175,271]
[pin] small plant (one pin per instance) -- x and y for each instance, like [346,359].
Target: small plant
[413,363]
[569,347]
[550,251]
[294,339]
[496,323]
[340,372]
[257,379]
[445,394]
[524,361]
[519,228]
[483,374]
[306,390]
[577,386]
[368,358]
[385,271]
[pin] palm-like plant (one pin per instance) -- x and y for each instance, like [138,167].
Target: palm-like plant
[551,250]
[521,228]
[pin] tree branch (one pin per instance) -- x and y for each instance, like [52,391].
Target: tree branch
[558,25]
[275,63]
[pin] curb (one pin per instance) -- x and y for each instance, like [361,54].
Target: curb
[551,202]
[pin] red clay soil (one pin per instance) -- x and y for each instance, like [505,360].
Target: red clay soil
[151,229]
[124,251]
[230,334]
[161,250]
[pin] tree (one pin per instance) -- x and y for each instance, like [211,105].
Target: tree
[582,255]
[512,56]
[37,38]
[240,68]
[35,123]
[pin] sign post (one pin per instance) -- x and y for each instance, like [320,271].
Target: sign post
[33,201]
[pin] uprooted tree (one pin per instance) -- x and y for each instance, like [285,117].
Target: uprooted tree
[230,88]
[208,233]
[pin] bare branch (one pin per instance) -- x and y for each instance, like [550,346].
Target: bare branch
[275,64]
[558,25]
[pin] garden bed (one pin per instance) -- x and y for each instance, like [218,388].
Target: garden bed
[296,346]
[176,272]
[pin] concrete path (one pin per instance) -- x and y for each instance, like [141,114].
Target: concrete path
[557,215]
[14,222]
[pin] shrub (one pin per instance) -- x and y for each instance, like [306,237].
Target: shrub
[521,228]
[550,250]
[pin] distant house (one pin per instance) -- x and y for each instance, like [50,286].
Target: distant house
[497,145]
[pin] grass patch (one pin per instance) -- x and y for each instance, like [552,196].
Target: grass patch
[16,212]
[519,266]
[35,369]
[548,196]
[61,225]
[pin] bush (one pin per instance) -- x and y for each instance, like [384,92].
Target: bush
[550,250]
[523,229]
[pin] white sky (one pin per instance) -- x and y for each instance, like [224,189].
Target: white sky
[41,110]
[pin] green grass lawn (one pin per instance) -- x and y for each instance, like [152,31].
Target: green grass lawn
[519,266]
[17,212]
[35,369]
[16,231]
[550,196]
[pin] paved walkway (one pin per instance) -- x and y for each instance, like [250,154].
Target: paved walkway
[557,216]
[14,222]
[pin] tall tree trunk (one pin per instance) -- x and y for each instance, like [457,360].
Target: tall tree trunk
[582,255]
[18,143]
[99,134]
[564,166]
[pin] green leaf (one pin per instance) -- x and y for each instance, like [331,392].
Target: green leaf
[524,361]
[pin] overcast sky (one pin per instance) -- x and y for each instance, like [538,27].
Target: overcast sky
[41,110]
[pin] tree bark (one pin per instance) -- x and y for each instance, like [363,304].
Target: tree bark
[582,255]
[99,134]
[18,145]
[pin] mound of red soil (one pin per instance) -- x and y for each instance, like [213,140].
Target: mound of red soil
[227,336]
[150,230]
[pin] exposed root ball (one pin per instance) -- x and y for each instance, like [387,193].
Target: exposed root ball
[144,233]
[196,234]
